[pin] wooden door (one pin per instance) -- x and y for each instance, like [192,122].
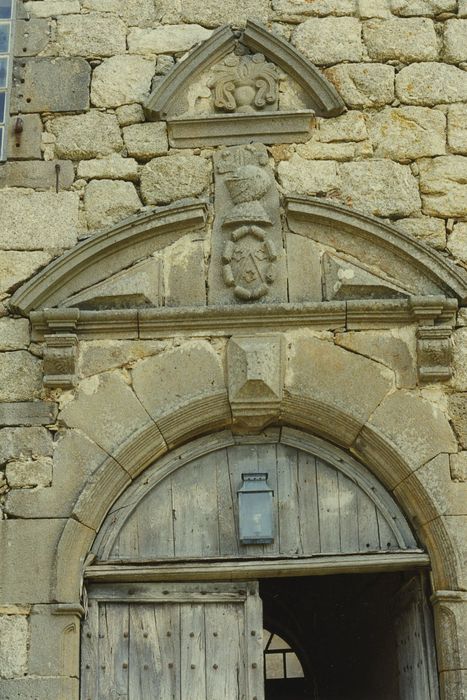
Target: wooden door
[415,644]
[177,641]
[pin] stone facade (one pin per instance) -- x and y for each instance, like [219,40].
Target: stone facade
[387,381]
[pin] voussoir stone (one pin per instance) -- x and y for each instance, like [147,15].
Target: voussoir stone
[113,167]
[459,366]
[408,133]
[457,407]
[455,40]
[168,178]
[329,39]
[108,201]
[20,376]
[457,128]
[428,8]
[443,184]
[91,35]
[14,647]
[37,220]
[122,80]
[166,39]
[310,177]
[404,40]
[145,141]
[431,84]
[363,84]
[228,12]
[379,187]
[90,135]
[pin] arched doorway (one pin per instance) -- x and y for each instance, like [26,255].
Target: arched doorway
[172,578]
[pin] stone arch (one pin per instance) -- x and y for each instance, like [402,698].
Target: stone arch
[375,450]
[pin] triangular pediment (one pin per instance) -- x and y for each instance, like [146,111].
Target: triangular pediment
[235,89]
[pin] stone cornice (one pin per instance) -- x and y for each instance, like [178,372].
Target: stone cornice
[111,250]
[224,320]
[446,276]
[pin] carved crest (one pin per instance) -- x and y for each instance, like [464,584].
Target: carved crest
[245,84]
[248,260]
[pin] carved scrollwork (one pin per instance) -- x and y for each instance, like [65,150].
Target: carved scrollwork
[245,84]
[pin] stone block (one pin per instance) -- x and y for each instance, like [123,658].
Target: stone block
[20,376]
[108,201]
[166,39]
[24,443]
[130,114]
[167,381]
[229,12]
[51,85]
[28,549]
[122,80]
[431,84]
[60,656]
[102,355]
[443,184]
[299,176]
[14,647]
[457,242]
[27,413]
[40,688]
[90,135]
[303,268]
[31,37]
[405,40]
[76,458]
[363,84]
[459,340]
[290,10]
[314,149]
[428,8]
[146,141]
[417,427]
[350,126]
[329,40]
[408,133]
[14,333]
[185,274]
[429,230]
[52,8]
[17,266]
[462,9]
[395,349]
[93,35]
[457,407]
[458,467]
[455,41]
[379,187]
[112,167]
[135,13]
[369,9]
[38,175]
[28,146]
[36,220]
[30,473]
[166,179]
[457,128]
[106,409]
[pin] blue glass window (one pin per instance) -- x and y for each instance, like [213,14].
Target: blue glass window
[6,29]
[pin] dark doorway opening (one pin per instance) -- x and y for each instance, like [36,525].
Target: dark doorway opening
[346,634]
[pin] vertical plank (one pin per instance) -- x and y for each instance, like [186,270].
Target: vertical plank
[290,542]
[368,536]
[113,651]
[348,510]
[89,653]
[254,643]
[307,490]
[328,507]
[225,651]
[387,539]
[193,653]
[194,504]
[145,654]
[267,463]
[228,537]
[242,458]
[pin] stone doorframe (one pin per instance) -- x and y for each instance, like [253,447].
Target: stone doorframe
[376,446]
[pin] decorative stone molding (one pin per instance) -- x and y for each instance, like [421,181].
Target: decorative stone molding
[345,280]
[247,87]
[255,368]
[434,353]
[60,355]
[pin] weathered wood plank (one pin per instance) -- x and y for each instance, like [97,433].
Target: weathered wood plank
[387,539]
[145,654]
[243,459]
[254,644]
[267,463]
[328,507]
[28,413]
[368,535]
[348,509]
[307,491]
[225,652]
[113,651]
[289,535]
[89,653]
[228,536]
[193,653]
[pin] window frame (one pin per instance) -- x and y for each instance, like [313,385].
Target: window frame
[4,125]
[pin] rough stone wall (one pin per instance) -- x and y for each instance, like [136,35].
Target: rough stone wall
[86,66]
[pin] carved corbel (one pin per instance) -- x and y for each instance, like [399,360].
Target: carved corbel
[434,353]
[61,349]
[255,366]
